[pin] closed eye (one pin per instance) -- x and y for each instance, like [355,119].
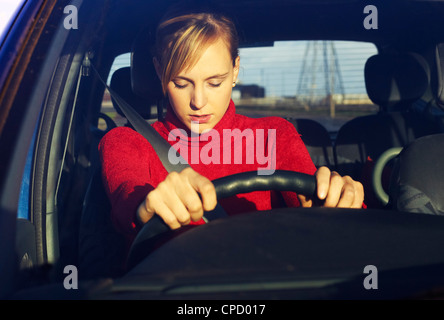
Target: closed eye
[179,86]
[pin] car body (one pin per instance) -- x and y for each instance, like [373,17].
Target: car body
[52,118]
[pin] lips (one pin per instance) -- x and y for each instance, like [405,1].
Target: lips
[200,118]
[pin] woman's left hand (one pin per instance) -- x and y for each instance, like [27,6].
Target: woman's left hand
[335,191]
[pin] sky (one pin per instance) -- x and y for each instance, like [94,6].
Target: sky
[7,9]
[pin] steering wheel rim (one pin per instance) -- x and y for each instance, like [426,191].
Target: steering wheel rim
[380,164]
[156,230]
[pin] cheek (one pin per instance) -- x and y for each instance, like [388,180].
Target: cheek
[178,101]
[221,101]
[222,94]
[225,96]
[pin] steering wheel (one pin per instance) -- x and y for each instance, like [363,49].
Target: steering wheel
[156,230]
[380,164]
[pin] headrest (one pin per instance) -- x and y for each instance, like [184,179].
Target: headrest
[391,79]
[121,83]
[144,79]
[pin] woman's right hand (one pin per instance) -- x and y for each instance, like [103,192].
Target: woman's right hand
[176,199]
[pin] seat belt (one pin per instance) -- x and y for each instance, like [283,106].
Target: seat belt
[159,144]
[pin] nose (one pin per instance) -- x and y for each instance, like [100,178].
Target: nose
[199,98]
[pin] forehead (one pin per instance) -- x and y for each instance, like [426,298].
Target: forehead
[214,59]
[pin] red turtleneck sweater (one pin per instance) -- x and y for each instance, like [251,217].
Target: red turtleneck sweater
[131,168]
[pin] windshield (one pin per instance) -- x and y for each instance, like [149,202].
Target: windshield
[345,92]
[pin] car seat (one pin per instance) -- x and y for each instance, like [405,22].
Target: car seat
[317,140]
[395,82]
[418,178]
[121,83]
[102,250]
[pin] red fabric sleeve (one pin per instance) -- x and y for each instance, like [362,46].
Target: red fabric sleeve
[292,155]
[125,159]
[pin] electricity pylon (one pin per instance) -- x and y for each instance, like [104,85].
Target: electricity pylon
[320,78]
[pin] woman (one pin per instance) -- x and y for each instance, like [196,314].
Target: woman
[196,59]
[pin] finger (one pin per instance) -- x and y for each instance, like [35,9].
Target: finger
[305,201]
[359,195]
[206,190]
[157,205]
[190,200]
[348,193]
[168,217]
[180,197]
[334,191]
[143,214]
[323,176]
[179,208]
[193,206]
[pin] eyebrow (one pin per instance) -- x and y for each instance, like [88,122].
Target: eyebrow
[216,76]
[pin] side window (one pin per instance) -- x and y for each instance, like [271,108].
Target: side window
[321,80]
[23,206]
[120,76]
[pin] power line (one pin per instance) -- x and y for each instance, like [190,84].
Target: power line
[320,76]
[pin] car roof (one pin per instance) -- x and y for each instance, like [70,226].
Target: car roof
[400,22]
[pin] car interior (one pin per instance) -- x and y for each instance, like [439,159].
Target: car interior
[69,223]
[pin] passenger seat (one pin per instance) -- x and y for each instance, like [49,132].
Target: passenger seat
[394,82]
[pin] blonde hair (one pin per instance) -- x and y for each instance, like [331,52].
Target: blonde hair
[181,40]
